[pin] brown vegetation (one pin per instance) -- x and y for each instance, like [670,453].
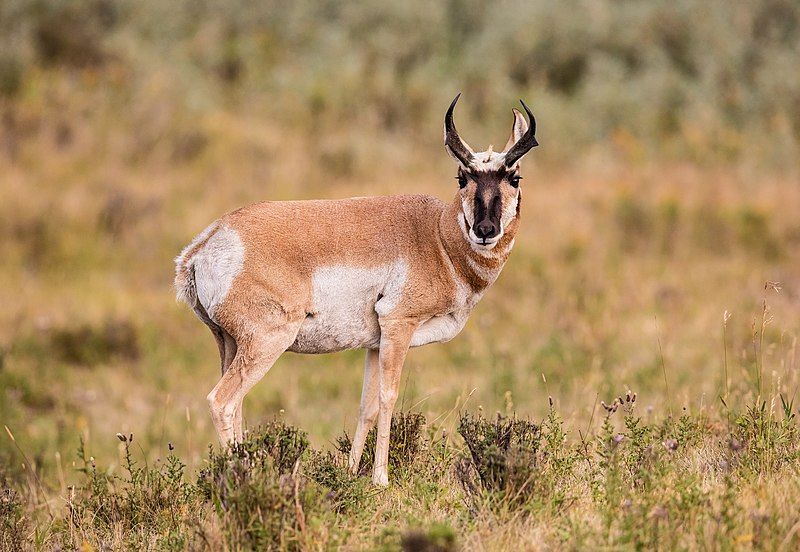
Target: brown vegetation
[664,196]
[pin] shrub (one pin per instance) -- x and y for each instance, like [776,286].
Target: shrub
[762,442]
[13,525]
[405,443]
[92,345]
[255,489]
[346,492]
[11,70]
[72,33]
[503,454]
[144,505]
[634,221]
[756,235]
[437,538]
[276,443]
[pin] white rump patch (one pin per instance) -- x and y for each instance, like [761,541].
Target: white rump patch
[184,286]
[216,264]
[199,238]
[347,301]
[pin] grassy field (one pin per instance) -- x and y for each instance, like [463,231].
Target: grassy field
[659,254]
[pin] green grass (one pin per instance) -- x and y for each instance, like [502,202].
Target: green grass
[662,200]
[628,481]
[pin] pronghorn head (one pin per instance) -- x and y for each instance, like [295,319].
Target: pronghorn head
[488,181]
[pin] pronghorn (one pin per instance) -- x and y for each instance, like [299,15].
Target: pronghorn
[378,273]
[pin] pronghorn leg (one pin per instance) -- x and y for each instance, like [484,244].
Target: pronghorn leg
[227,349]
[255,356]
[368,410]
[395,340]
[230,354]
[227,352]
[230,350]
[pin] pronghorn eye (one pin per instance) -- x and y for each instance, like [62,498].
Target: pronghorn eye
[462,180]
[514,181]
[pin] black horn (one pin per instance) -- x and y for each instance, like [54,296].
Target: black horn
[452,141]
[525,143]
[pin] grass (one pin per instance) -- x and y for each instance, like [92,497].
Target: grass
[634,482]
[93,344]
[663,199]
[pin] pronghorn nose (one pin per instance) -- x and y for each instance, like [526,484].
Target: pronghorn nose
[485,229]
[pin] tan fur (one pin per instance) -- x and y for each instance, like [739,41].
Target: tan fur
[267,258]
[360,232]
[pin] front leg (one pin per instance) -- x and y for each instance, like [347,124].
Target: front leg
[367,411]
[395,340]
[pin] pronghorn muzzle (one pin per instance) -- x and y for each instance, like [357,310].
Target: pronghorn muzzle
[487,217]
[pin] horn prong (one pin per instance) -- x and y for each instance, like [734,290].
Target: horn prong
[531,118]
[526,142]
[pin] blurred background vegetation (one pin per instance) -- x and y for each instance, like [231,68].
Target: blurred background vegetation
[665,193]
[690,79]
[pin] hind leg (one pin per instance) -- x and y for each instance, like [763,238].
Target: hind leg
[255,355]
[223,338]
[227,352]
[230,354]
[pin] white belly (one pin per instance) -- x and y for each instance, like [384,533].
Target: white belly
[346,302]
[338,330]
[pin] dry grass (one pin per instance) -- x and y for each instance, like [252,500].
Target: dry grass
[625,268]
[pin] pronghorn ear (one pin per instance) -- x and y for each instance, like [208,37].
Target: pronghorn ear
[525,142]
[517,130]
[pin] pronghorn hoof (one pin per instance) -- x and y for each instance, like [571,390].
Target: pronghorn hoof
[381,480]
